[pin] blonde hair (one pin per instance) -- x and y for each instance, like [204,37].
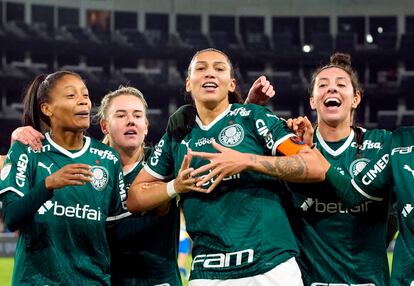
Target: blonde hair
[107,100]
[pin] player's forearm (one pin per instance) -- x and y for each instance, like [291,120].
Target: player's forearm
[147,196]
[306,166]
[2,158]
[344,189]
[19,210]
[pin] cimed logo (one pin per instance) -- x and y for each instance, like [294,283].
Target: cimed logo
[100,177]
[231,135]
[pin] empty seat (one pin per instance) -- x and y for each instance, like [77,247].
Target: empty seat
[258,42]
[345,42]
[387,119]
[321,42]
[407,119]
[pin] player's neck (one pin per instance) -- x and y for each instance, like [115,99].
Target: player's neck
[68,140]
[207,114]
[334,133]
[129,157]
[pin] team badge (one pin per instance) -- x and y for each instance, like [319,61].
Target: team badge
[357,166]
[99,178]
[5,171]
[231,135]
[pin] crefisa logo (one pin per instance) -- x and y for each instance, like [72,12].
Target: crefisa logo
[100,177]
[231,135]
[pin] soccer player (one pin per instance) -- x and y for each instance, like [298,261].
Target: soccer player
[392,167]
[240,232]
[143,245]
[339,245]
[60,197]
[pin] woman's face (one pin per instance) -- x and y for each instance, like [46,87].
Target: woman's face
[209,80]
[334,97]
[69,105]
[126,122]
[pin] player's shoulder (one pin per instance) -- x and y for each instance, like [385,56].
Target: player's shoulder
[376,134]
[248,110]
[102,150]
[403,131]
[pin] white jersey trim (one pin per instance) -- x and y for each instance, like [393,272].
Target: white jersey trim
[211,124]
[131,169]
[278,142]
[11,189]
[154,174]
[341,149]
[364,193]
[66,152]
[118,217]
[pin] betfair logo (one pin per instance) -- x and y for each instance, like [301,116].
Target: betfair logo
[407,210]
[80,212]
[333,207]
[307,204]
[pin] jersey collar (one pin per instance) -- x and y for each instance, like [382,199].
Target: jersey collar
[66,152]
[211,124]
[338,151]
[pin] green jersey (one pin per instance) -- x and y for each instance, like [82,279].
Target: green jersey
[64,243]
[240,229]
[144,245]
[339,245]
[392,166]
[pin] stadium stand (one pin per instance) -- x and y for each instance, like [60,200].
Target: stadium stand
[150,51]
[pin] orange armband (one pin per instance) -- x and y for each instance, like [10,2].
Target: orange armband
[290,146]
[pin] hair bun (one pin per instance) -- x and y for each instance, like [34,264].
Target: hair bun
[340,59]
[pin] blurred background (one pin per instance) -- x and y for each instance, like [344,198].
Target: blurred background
[148,44]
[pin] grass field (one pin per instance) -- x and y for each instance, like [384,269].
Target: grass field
[6,268]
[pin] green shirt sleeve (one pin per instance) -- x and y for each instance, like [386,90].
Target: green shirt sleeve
[18,210]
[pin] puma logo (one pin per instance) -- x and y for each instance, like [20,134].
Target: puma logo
[40,164]
[187,144]
[406,167]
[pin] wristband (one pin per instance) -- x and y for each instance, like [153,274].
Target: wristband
[312,146]
[170,189]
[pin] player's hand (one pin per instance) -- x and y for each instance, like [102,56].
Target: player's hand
[223,164]
[303,128]
[260,92]
[69,175]
[28,135]
[184,182]
[181,122]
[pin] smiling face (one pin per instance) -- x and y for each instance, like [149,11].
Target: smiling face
[125,122]
[334,97]
[209,79]
[68,106]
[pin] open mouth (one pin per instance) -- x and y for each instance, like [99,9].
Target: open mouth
[131,132]
[332,102]
[210,85]
[82,113]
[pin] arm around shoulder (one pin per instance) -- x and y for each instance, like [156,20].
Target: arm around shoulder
[146,193]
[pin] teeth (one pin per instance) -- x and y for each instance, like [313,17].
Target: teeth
[209,85]
[332,100]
